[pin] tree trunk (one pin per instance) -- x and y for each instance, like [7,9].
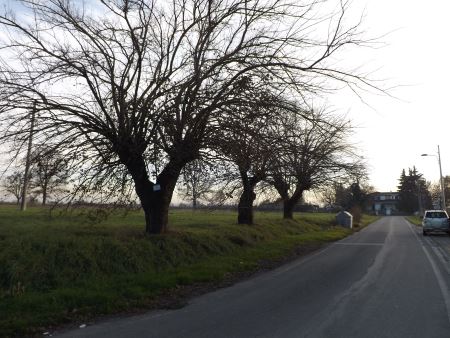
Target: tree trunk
[44,194]
[290,203]
[161,198]
[194,198]
[154,197]
[288,208]
[159,211]
[245,206]
[283,190]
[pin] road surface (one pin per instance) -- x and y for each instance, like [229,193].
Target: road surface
[384,281]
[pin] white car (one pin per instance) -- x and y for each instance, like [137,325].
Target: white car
[435,221]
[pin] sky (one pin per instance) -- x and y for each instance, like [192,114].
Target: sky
[394,130]
[412,56]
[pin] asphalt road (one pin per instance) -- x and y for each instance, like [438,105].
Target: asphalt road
[385,281]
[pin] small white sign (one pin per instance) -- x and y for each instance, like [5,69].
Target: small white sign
[156,187]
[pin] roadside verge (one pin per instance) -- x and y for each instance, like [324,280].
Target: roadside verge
[55,276]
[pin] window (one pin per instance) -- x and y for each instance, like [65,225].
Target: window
[435,214]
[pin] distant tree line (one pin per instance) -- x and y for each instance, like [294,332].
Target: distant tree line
[350,196]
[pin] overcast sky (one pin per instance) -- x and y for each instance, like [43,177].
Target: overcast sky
[393,132]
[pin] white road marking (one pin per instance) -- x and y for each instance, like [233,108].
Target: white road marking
[337,305]
[439,254]
[437,272]
[361,243]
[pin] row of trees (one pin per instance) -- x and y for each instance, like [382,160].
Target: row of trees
[284,158]
[347,196]
[135,92]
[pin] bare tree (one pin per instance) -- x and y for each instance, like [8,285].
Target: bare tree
[328,194]
[315,153]
[198,180]
[249,142]
[250,155]
[435,190]
[134,88]
[50,171]
[13,184]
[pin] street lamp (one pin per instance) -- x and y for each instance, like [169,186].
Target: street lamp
[443,204]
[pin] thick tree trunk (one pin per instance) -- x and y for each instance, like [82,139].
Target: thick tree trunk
[155,197]
[144,190]
[288,208]
[159,211]
[161,198]
[245,206]
[290,203]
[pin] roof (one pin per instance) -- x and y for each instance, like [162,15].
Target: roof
[385,192]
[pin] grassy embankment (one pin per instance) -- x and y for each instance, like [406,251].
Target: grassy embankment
[61,267]
[416,220]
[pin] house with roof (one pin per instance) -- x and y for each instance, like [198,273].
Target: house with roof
[383,203]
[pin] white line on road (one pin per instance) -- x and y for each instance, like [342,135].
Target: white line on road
[439,252]
[437,272]
[361,243]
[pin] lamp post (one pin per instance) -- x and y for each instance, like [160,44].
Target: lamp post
[443,204]
[419,197]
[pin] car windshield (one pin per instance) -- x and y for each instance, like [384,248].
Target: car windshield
[436,214]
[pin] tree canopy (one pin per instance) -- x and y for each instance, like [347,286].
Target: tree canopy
[133,90]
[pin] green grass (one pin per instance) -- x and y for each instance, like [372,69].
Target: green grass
[58,267]
[365,221]
[415,220]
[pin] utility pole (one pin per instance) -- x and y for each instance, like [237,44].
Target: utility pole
[419,196]
[23,205]
[444,205]
[441,179]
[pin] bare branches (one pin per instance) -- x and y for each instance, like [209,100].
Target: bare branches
[140,87]
[312,154]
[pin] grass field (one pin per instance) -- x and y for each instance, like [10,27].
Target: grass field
[62,267]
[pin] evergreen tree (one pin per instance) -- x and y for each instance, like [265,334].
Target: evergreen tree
[413,191]
[402,189]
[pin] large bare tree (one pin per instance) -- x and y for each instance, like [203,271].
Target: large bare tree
[134,88]
[315,152]
[249,150]
[248,139]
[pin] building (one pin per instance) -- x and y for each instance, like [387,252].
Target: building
[383,203]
